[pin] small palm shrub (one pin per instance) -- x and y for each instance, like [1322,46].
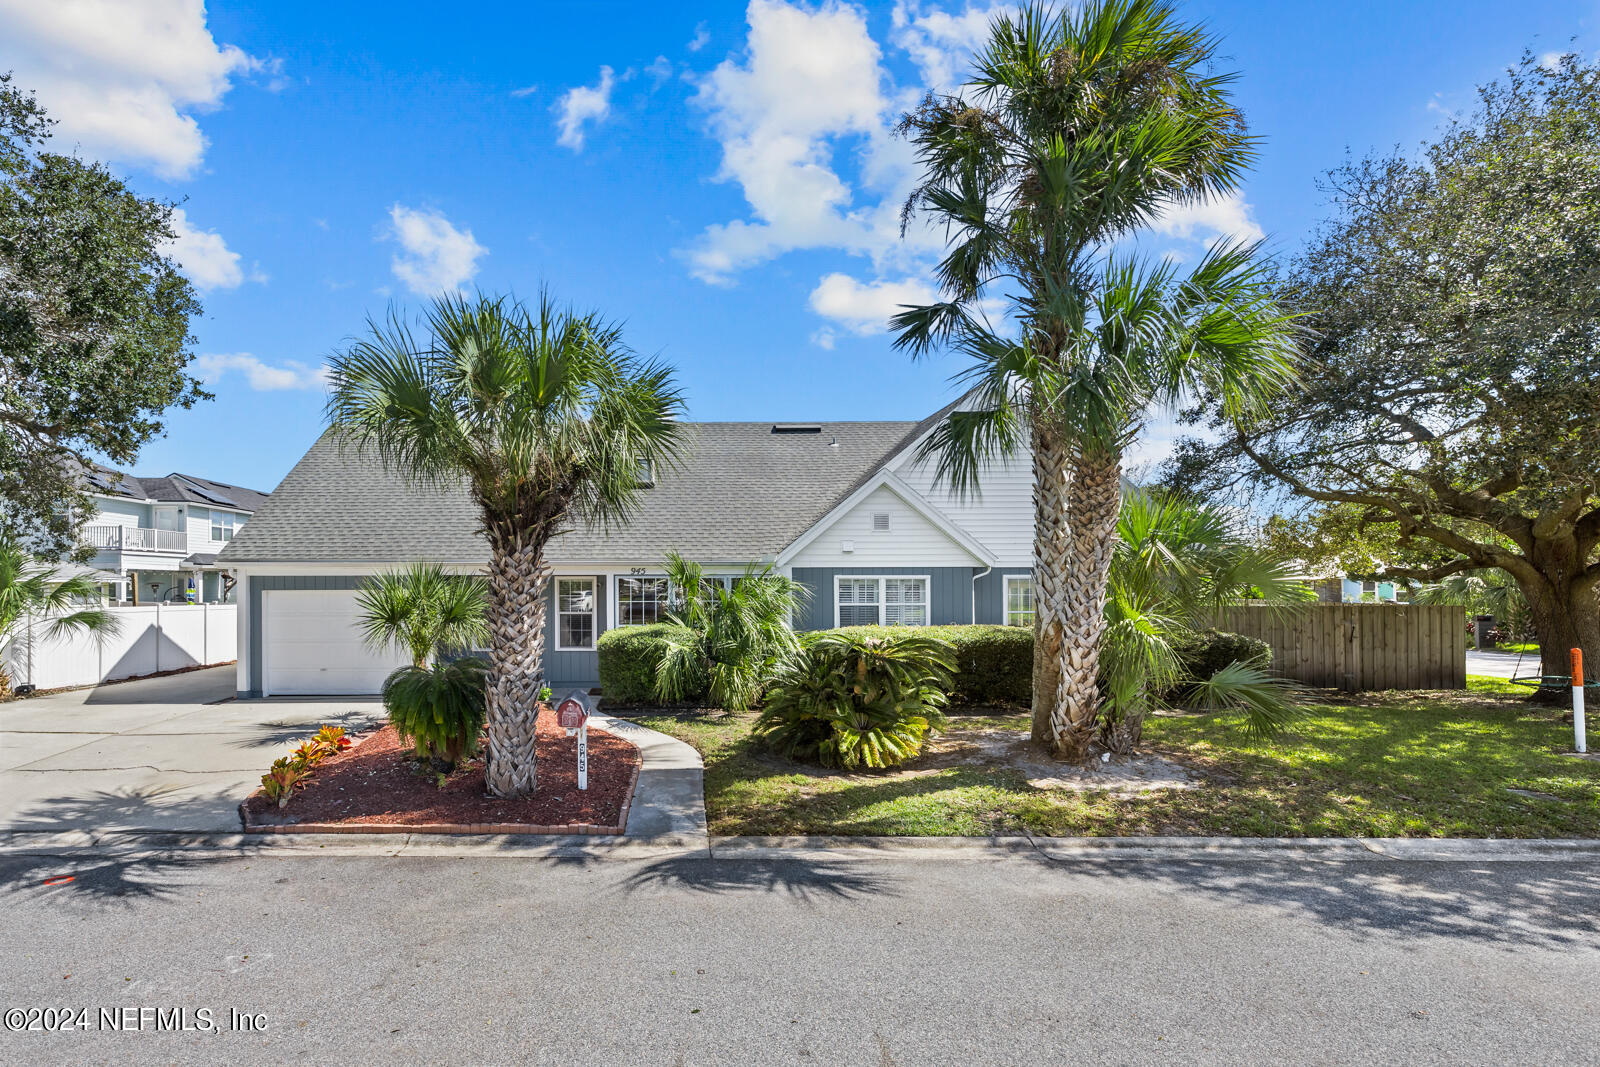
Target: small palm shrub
[726,643]
[850,700]
[440,709]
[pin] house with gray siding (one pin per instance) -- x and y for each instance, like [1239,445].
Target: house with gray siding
[844,507]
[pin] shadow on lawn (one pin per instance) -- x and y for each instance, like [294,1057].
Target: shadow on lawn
[1515,905]
[802,878]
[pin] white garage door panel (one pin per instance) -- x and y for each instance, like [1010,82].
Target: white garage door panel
[311,645]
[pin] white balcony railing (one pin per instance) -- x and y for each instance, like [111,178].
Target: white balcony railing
[131,539]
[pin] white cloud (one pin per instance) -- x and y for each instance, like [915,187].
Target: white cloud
[941,43]
[205,256]
[702,37]
[659,70]
[434,256]
[123,79]
[526,90]
[823,339]
[262,376]
[809,86]
[582,105]
[1227,217]
[864,308]
[1551,60]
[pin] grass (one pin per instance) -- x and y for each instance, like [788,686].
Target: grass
[1525,647]
[1437,764]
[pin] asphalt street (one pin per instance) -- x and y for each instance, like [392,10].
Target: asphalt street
[932,958]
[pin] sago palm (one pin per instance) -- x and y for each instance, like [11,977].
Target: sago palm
[548,419]
[57,605]
[1075,130]
[423,608]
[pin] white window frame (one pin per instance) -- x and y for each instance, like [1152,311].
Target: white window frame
[1005,597]
[666,605]
[224,521]
[883,606]
[593,612]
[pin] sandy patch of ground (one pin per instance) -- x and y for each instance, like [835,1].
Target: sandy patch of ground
[1009,748]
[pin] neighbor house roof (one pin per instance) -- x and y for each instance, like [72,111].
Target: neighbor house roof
[174,488]
[743,492]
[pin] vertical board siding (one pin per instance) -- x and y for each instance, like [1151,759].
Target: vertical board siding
[1360,647]
[581,669]
[949,593]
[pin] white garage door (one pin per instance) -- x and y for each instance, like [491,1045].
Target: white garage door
[311,645]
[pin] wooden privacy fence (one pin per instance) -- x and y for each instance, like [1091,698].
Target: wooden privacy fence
[1358,647]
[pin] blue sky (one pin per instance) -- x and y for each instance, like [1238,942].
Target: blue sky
[718,176]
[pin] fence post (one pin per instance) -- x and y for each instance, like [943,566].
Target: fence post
[158,637]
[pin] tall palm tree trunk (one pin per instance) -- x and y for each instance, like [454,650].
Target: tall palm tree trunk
[518,576]
[1094,494]
[1050,563]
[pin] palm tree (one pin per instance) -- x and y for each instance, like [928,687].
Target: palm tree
[548,419]
[423,608]
[727,642]
[30,589]
[1075,129]
[1175,563]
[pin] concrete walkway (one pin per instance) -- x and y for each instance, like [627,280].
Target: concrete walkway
[669,803]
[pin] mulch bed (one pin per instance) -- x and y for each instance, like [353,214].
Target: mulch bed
[375,786]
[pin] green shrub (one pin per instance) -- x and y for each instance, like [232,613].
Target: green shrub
[993,664]
[439,708]
[1203,653]
[850,699]
[629,658]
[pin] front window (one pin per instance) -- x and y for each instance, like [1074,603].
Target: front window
[887,601]
[905,601]
[575,602]
[641,601]
[222,525]
[1019,600]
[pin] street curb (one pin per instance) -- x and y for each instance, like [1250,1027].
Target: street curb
[1063,849]
[1411,849]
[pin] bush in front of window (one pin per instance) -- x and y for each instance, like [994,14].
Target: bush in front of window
[629,657]
[993,664]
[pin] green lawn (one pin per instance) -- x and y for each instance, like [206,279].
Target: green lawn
[1525,647]
[1435,764]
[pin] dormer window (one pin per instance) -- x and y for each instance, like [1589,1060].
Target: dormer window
[645,472]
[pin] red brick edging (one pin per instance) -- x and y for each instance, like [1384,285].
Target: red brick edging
[583,828]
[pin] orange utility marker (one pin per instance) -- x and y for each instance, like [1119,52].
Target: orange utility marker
[1580,740]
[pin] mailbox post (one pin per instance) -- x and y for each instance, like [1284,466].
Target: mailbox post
[572,715]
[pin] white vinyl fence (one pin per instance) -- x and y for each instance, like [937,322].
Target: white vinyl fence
[160,637]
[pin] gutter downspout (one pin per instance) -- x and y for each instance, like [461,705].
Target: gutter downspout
[975,578]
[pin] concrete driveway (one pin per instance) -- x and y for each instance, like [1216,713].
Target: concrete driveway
[174,754]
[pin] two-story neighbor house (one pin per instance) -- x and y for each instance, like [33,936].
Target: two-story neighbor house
[157,539]
[842,507]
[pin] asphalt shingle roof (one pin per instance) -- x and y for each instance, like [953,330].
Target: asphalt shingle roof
[742,494]
[175,487]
